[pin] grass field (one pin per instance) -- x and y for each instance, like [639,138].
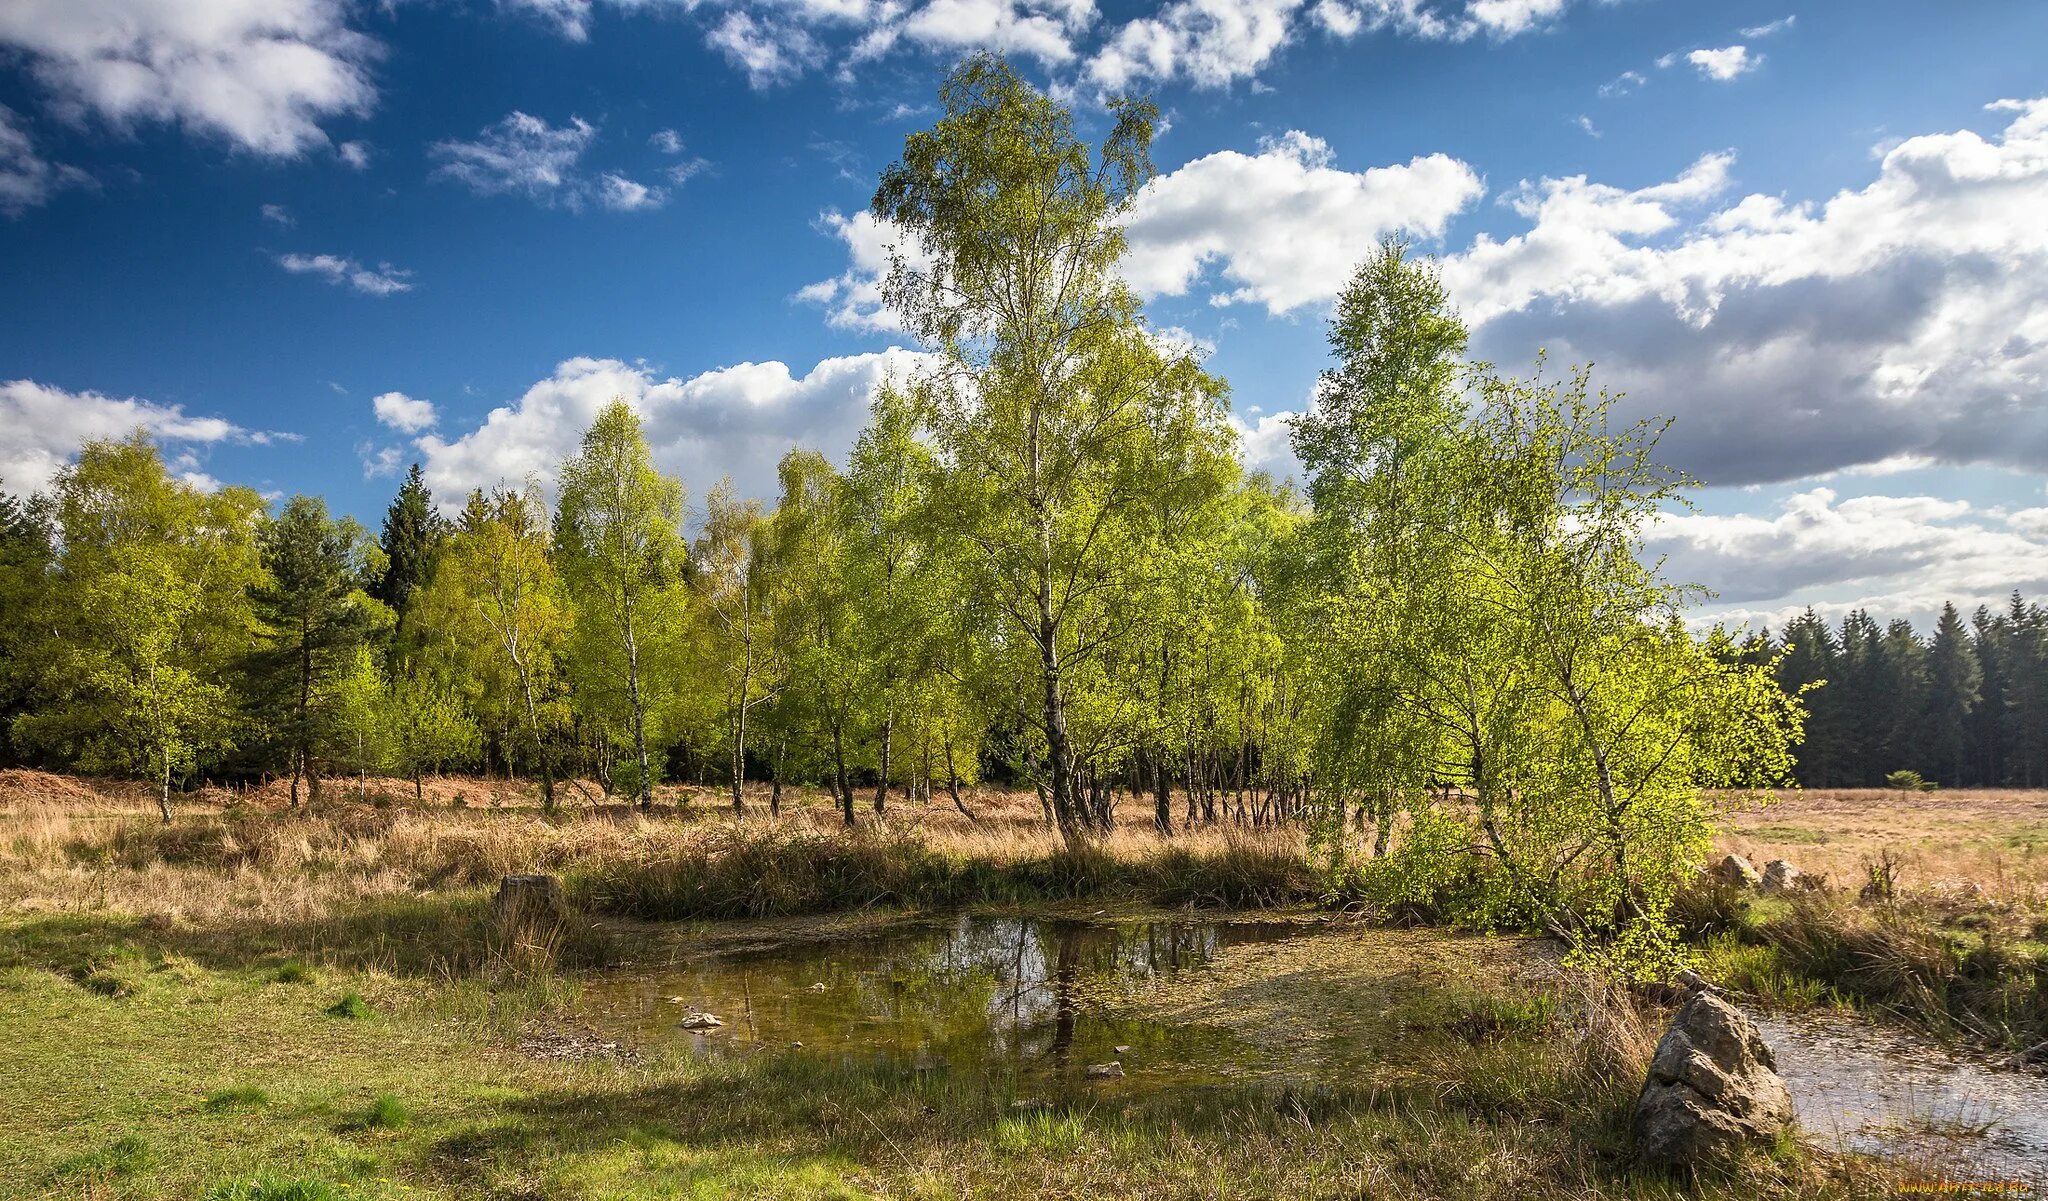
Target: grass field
[251,1004]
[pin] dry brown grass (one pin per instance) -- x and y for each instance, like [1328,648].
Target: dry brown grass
[1965,841]
[76,845]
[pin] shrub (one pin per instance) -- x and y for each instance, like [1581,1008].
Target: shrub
[1910,781]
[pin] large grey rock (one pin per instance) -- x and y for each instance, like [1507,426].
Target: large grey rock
[1735,872]
[1779,876]
[528,904]
[1713,1085]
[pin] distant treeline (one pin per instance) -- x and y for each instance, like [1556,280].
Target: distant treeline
[1966,706]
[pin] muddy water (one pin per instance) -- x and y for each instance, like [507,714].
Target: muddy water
[973,992]
[1879,1091]
[1022,997]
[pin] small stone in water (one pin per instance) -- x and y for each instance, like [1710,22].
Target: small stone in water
[1104,1071]
[818,987]
[1121,1050]
[702,1021]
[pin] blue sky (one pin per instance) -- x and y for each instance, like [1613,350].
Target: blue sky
[308,241]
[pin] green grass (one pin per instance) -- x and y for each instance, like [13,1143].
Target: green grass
[351,1007]
[150,1095]
[241,1097]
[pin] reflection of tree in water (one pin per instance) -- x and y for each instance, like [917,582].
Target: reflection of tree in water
[972,992]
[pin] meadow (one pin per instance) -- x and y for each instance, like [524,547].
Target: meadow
[255,1003]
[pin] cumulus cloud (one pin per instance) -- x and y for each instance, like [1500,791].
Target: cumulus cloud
[1285,225]
[406,414]
[1908,317]
[1725,63]
[26,178]
[382,280]
[262,74]
[853,298]
[356,155]
[769,50]
[736,420]
[42,427]
[1895,555]
[1209,43]
[524,155]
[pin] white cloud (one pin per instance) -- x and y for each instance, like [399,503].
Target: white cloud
[1284,225]
[42,427]
[1895,555]
[380,461]
[355,154]
[277,215]
[735,420]
[383,280]
[622,195]
[1725,63]
[769,50]
[262,74]
[1622,84]
[668,141]
[1772,28]
[1585,124]
[26,178]
[521,154]
[1907,317]
[853,299]
[570,18]
[1210,43]
[406,414]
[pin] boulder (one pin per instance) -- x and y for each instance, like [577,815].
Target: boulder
[1735,872]
[697,1020]
[1104,1071]
[1779,876]
[528,903]
[1713,1085]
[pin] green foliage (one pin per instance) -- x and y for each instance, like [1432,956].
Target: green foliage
[387,1112]
[276,1188]
[618,537]
[351,1007]
[1909,781]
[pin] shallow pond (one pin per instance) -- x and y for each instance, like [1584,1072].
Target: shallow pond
[1035,998]
[1870,1089]
[974,991]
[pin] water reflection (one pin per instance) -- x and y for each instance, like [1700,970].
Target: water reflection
[973,991]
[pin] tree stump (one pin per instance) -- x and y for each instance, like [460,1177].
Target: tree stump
[528,905]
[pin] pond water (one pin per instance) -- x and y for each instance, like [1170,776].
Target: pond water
[1025,996]
[975,992]
[1870,1089]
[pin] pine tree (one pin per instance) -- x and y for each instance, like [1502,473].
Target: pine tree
[1953,681]
[1811,658]
[413,533]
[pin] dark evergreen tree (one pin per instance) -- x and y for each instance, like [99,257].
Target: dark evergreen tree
[412,540]
[1901,720]
[1953,682]
[1810,658]
[316,617]
[27,550]
[2026,694]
